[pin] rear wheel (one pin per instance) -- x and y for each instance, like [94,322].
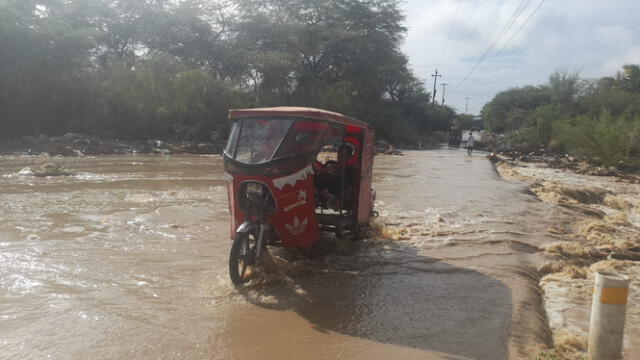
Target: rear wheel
[242,260]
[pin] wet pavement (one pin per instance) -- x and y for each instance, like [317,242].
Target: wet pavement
[128,259]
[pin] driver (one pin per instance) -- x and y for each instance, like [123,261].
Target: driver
[329,176]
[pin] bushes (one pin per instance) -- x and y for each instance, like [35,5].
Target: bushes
[598,120]
[141,69]
[544,116]
[161,98]
[605,139]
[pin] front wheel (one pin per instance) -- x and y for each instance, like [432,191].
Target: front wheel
[242,260]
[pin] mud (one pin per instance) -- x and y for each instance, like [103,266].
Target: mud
[599,223]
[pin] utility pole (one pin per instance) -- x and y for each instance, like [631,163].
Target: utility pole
[443,87]
[435,80]
[466,109]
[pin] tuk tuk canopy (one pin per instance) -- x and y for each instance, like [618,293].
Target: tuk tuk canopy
[261,135]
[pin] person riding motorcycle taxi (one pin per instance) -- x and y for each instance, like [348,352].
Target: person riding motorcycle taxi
[332,176]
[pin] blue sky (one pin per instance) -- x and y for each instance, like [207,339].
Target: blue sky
[593,37]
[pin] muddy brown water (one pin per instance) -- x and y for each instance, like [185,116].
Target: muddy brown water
[128,259]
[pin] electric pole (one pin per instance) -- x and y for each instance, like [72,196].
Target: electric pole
[466,109]
[443,87]
[435,80]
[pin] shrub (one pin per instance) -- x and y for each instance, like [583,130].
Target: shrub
[605,139]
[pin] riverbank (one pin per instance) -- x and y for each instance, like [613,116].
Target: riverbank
[72,144]
[501,144]
[77,145]
[598,228]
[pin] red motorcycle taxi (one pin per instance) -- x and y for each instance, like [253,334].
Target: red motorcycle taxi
[281,194]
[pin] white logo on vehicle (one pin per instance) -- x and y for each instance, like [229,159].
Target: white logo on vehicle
[302,199]
[297,227]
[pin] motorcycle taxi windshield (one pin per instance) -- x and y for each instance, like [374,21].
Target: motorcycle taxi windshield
[256,141]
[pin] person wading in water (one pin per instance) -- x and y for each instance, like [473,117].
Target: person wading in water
[470,141]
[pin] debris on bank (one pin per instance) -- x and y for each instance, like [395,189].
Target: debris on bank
[500,149]
[50,169]
[78,145]
[384,148]
[45,170]
[392,151]
[565,161]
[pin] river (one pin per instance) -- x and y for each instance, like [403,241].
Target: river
[128,259]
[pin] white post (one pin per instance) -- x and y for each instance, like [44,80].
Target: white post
[608,310]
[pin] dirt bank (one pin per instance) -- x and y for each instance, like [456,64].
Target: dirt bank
[72,144]
[598,229]
[501,145]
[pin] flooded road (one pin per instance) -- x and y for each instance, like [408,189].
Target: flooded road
[128,259]
[597,224]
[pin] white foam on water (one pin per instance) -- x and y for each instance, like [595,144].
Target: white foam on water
[25,172]
[72,229]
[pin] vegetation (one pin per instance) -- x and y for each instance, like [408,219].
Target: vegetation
[595,119]
[171,69]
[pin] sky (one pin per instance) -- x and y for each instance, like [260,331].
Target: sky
[463,38]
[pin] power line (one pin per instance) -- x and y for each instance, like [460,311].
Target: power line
[471,31]
[464,31]
[512,20]
[514,17]
[535,10]
[453,21]
[517,13]
[513,36]
[484,9]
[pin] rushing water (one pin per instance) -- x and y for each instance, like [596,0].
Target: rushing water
[128,259]
[598,212]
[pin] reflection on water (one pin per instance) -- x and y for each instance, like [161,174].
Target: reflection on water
[128,259]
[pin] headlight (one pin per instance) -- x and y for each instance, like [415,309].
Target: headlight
[256,198]
[254,188]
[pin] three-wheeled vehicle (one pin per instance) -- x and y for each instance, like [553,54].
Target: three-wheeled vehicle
[455,136]
[281,193]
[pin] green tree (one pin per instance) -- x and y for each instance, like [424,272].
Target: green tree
[629,78]
[564,86]
[161,68]
[510,109]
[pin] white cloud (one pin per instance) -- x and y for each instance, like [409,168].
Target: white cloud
[632,56]
[611,34]
[596,38]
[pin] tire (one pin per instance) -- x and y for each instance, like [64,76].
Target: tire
[242,258]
